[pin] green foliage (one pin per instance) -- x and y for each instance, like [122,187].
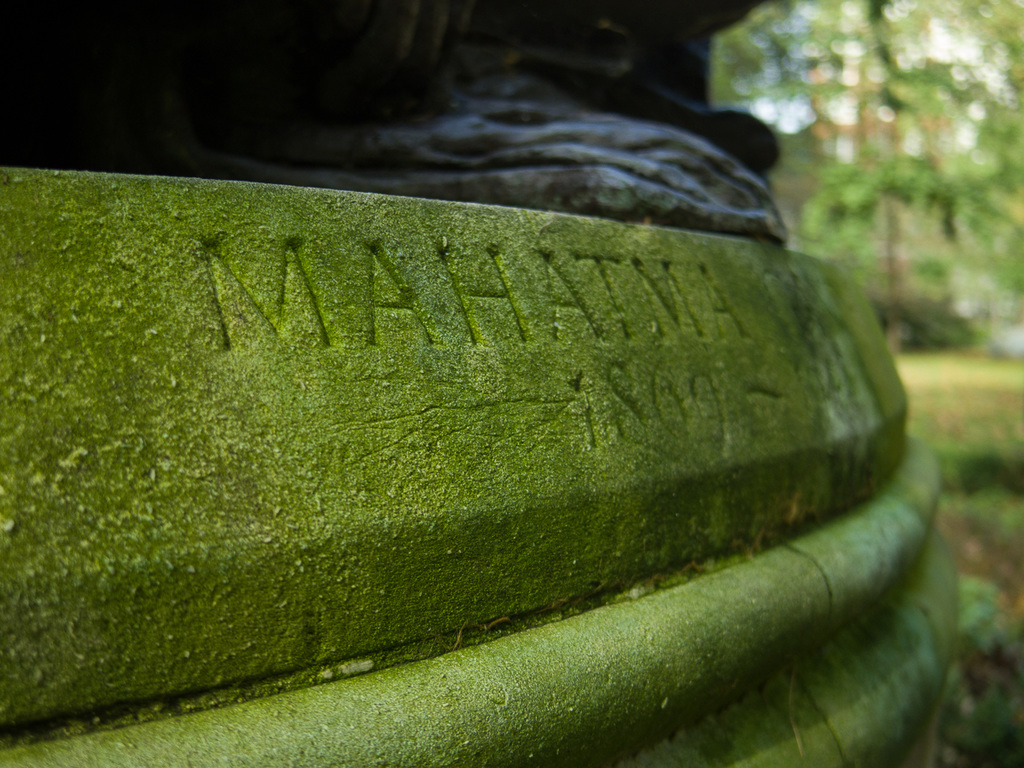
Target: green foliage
[988,730]
[981,623]
[927,324]
[911,111]
[973,471]
[984,708]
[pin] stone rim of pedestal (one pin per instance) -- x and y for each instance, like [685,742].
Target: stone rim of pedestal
[363,421]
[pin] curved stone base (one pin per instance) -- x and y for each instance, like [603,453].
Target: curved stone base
[252,432]
[833,647]
[867,698]
[296,477]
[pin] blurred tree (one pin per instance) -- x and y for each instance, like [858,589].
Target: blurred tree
[904,119]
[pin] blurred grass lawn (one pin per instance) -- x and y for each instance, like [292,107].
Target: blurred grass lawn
[970,409]
[965,404]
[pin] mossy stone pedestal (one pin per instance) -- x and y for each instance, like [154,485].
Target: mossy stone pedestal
[301,477]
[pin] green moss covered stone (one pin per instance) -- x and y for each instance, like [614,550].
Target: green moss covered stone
[247,430]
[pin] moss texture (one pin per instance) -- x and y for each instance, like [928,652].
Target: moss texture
[586,690]
[863,701]
[248,430]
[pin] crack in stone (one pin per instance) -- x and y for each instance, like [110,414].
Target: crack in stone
[824,718]
[824,576]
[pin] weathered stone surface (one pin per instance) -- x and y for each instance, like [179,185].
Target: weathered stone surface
[864,699]
[587,689]
[250,430]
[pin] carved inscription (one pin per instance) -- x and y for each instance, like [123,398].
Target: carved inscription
[376,295]
[373,295]
[247,318]
[396,308]
[642,397]
[481,284]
